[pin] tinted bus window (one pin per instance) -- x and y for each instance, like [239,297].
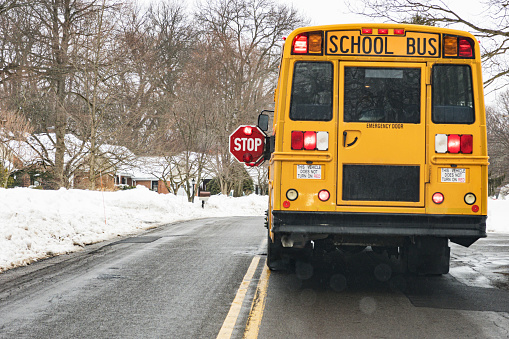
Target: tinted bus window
[382,95]
[312,91]
[452,94]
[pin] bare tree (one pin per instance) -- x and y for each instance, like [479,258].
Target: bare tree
[498,142]
[7,5]
[14,129]
[491,26]
[245,35]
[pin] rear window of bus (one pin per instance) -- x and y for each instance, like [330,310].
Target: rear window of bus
[312,91]
[382,95]
[453,101]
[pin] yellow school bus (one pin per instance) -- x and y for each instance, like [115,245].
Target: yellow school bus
[379,139]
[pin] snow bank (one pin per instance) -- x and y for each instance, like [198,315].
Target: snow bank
[35,224]
[498,216]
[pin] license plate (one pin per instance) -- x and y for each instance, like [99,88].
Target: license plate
[309,172]
[453,174]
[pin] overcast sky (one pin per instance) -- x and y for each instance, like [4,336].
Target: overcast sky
[324,12]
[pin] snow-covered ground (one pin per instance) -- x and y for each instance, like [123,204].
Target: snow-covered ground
[36,224]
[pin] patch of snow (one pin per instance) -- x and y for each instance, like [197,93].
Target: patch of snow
[36,224]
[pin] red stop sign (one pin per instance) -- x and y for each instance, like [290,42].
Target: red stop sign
[247,144]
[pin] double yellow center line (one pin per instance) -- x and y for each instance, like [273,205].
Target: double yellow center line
[256,313]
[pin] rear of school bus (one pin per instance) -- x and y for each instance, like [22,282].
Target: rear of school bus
[380,140]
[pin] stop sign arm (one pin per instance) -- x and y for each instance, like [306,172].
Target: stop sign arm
[269,147]
[248,145]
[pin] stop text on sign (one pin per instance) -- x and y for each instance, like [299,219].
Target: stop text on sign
[247,144]
[412,44]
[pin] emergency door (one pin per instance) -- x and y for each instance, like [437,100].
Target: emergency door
[382,134]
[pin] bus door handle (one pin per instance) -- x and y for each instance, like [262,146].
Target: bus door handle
[345,133]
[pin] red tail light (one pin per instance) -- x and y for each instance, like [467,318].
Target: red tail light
[438,198]
[466,143]
[300,44]
[465,47]
[297,140]
[323,195]
[453,143]
[309,140]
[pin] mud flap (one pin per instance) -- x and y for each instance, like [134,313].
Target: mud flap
[428,256]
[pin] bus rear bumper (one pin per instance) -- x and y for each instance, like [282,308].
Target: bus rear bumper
[461,229]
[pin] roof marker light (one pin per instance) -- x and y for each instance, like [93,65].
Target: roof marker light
[465,47]
[300,44]
[450,46]
[367,31]
[315,42]
[383,31]
[399,31]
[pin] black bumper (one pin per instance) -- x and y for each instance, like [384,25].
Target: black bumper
[382,224]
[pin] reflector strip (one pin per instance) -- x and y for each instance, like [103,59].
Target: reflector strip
[297,140]
[466,143]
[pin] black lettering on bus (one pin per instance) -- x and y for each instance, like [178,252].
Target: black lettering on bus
[341,42]
[378,46]
[358,44]
[387,45]
[423,52]
[432,42]
[410,46]
[370,45]
[331,40]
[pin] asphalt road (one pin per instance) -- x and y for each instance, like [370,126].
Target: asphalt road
[206,277]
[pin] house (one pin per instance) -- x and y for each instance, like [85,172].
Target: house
[159,173]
